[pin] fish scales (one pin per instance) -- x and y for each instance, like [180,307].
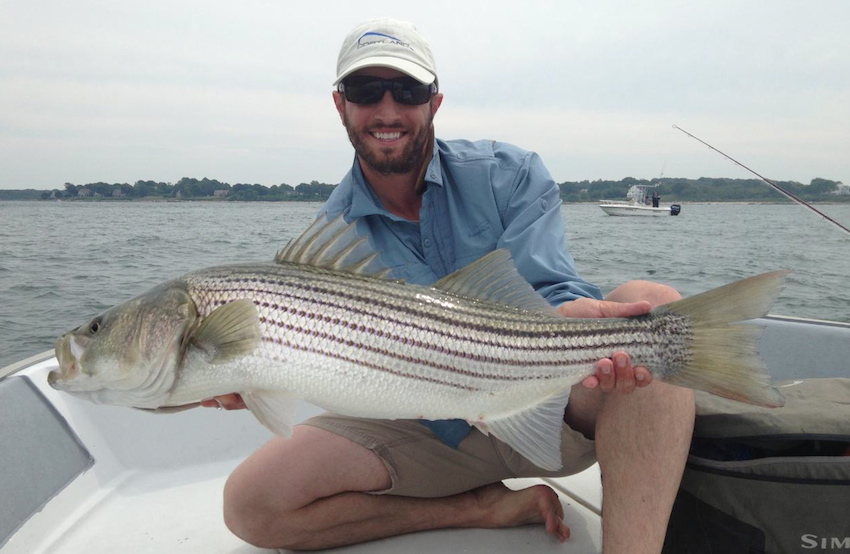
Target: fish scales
[444,336]
[512,323]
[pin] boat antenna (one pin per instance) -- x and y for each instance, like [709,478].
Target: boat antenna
[788,194]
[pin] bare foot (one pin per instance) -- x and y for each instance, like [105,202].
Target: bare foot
[503,507]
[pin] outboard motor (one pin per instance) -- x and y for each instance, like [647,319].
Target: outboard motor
[675,209]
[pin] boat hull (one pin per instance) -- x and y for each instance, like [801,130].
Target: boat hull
[630,210]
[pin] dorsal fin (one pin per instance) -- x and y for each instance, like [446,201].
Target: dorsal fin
[333,244]
[494,278]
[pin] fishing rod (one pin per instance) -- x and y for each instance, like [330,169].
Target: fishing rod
[788,194]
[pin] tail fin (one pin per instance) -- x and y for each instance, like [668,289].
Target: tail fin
[724,357]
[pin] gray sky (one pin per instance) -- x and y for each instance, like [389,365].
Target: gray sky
[118,91]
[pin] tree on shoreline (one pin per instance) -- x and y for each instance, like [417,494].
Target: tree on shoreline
[185,188]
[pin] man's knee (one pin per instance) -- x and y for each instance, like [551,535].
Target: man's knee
[265,495]
[245,511]
[240,516]
[258,494]
[251,516]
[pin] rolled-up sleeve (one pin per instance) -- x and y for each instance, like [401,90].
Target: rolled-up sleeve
[535,235]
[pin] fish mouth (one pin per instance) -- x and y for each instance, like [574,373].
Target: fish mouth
[68,365]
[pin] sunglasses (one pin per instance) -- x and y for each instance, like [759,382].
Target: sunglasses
[362,89]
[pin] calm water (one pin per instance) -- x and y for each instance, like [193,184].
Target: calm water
[61,263]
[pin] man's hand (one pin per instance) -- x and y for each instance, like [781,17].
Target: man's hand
[227,401]
[615,373]
[591,308]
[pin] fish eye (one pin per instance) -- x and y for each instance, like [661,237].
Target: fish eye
[94,326]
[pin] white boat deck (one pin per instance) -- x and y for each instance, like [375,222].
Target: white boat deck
[156,483]
[140,482]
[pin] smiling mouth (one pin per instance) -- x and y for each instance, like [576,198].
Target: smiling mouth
[387,136]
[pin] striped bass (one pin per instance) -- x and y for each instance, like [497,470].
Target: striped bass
[322,323]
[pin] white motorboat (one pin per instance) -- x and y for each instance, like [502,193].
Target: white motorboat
[642,200]
[84,478]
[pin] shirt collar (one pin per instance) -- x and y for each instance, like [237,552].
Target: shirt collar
[434,173]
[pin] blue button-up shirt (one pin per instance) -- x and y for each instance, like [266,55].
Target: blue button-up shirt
[478,196]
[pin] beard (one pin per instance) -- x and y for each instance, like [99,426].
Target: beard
[382,160]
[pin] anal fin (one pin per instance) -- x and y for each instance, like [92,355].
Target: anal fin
[534,433]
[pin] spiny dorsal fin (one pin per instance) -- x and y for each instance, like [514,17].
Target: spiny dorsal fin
[333,244]
[229,332]
[494,278]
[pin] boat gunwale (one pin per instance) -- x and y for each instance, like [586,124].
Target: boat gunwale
[15,367]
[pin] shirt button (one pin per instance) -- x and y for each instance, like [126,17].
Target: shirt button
[427,243]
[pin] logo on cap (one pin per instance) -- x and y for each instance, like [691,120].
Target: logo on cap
[380,38]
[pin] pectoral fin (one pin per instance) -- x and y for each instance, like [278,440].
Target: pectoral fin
[275,410]
[229,332]
[534,433]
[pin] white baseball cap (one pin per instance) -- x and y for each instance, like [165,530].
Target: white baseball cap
[386,43]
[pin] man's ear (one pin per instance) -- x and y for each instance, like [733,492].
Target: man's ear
[339,102]
[436,102]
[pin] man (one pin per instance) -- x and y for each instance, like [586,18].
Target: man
[430,207]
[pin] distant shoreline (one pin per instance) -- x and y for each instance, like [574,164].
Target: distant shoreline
[208,200]
[154,200]
[705,190]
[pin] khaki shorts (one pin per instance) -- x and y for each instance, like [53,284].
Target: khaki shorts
[421,465]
